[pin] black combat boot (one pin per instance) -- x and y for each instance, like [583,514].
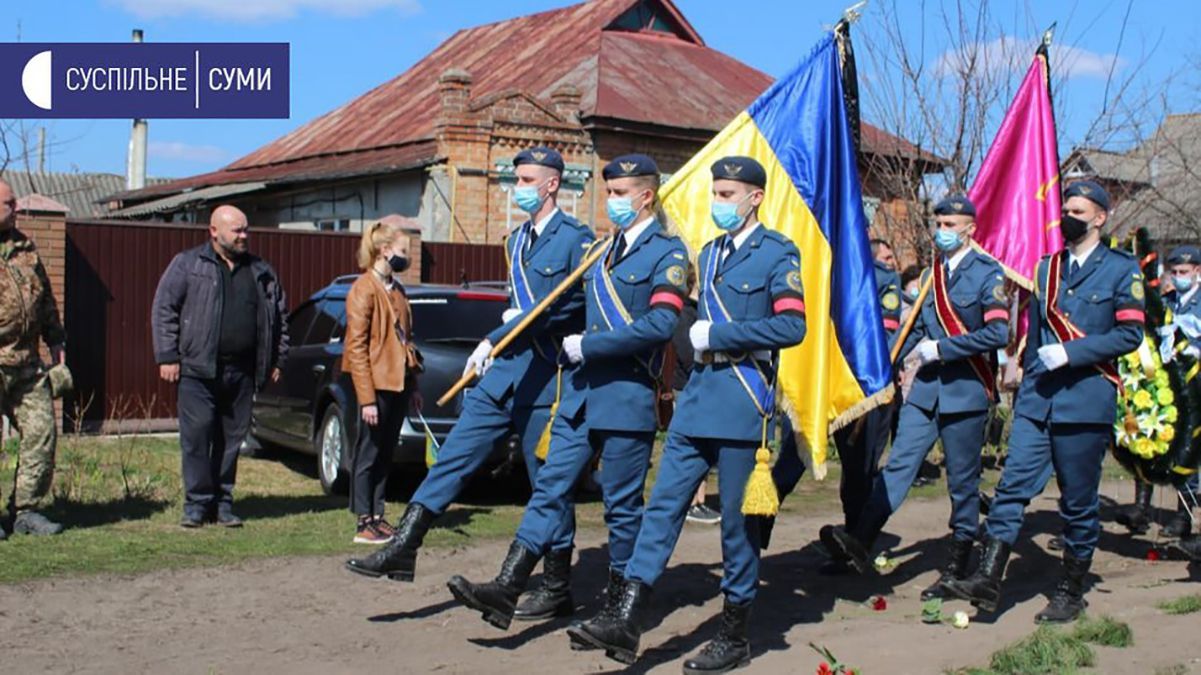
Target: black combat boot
[1180,524]
[956,568]
[1136,517]
[730,649]
[983,587]
[497,598]
[1068,601]
[844,546]
[398,560]
[611,597]
[617,633]
[553,598]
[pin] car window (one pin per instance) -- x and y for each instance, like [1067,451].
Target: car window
[455,318]
[326,324]
[300,320]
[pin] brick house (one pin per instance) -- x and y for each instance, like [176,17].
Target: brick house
[594,80]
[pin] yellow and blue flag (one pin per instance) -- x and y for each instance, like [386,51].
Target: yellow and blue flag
[799,131]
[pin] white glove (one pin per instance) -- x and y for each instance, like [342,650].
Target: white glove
[927,351]
[1167,344]
[510,314]
[573,347]
[480,359]
[699,335]
[1053,357]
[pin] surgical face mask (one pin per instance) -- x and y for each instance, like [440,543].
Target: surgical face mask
[527,199]
[911,295]
[1072,228]
[725,214]
[621,211]
[1182,284]
[947,240]
[398,263]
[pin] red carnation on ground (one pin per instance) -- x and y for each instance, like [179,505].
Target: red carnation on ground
[1152,555]
[878,603]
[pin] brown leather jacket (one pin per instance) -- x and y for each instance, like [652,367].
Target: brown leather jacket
[377,351]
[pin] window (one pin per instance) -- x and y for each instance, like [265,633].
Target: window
[333,224]
[327,326]
[299,321]
[458,318]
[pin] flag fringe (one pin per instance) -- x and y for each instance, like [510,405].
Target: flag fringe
[880,398]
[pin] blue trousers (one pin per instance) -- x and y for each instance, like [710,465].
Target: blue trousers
[686,461]
[962,437]
[483,423]
[1075,452]
[625,457]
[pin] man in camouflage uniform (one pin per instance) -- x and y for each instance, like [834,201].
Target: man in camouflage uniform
[27,313]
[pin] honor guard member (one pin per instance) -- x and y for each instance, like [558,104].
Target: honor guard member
[962,323]
[861,444]
[515,393]
[751,305]
[1184,262]
[1087,310]
[634,292]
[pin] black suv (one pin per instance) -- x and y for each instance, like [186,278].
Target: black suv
[312,408]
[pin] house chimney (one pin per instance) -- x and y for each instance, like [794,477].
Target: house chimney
[135,166]
[566,99]
[454,90]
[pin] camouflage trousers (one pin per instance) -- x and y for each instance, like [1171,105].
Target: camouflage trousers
[25,399]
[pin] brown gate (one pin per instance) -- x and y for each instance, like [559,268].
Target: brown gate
[453,263]
[112,270]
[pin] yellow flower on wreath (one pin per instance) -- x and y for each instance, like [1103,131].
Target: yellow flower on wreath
[1161,378]
[1143,400]
[1144,447]
[1169,414]
[1165,396]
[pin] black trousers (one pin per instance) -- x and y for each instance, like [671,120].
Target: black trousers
[372,460]
[214,416]
[860,446]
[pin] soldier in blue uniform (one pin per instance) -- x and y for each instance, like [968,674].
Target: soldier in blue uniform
[860,444]
[1185,304]
[962,323]
[1087,311]
[634,296]
[517,391]
[751,306]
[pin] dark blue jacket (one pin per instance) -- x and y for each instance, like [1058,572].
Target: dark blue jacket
[1105,301]
[977,290]
[527,369]
[186,316]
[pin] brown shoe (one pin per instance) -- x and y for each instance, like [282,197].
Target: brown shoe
[384,528]
[368,533]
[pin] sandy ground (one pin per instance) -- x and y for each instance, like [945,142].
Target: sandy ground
[307,615]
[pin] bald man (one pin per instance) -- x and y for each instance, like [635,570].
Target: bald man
[220,331]
[28,316]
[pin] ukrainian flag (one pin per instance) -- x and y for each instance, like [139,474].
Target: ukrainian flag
[798,130]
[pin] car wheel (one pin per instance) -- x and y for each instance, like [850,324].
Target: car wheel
[333,451]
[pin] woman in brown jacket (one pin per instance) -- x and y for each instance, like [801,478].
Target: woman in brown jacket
[383,364]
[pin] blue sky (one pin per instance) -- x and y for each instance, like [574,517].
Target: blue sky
[342,48]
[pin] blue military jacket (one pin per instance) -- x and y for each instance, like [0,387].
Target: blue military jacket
[760,286]
[615,383]
[888,290]
[527,368]
[951,385]
[1191,306]
[1105,301]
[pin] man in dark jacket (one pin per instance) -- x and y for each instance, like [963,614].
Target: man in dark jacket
[220,330]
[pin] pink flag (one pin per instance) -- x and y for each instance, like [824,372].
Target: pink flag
[1017,192]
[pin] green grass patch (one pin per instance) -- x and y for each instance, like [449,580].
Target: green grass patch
[1054,650]
[1104,631]
[1047,650]
[1186,604]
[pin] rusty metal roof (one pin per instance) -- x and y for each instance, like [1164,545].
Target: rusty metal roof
[666,77]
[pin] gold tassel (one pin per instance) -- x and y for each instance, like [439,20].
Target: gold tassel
[761,497]
[543,448]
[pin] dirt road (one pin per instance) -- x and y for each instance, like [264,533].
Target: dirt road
[307,615]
